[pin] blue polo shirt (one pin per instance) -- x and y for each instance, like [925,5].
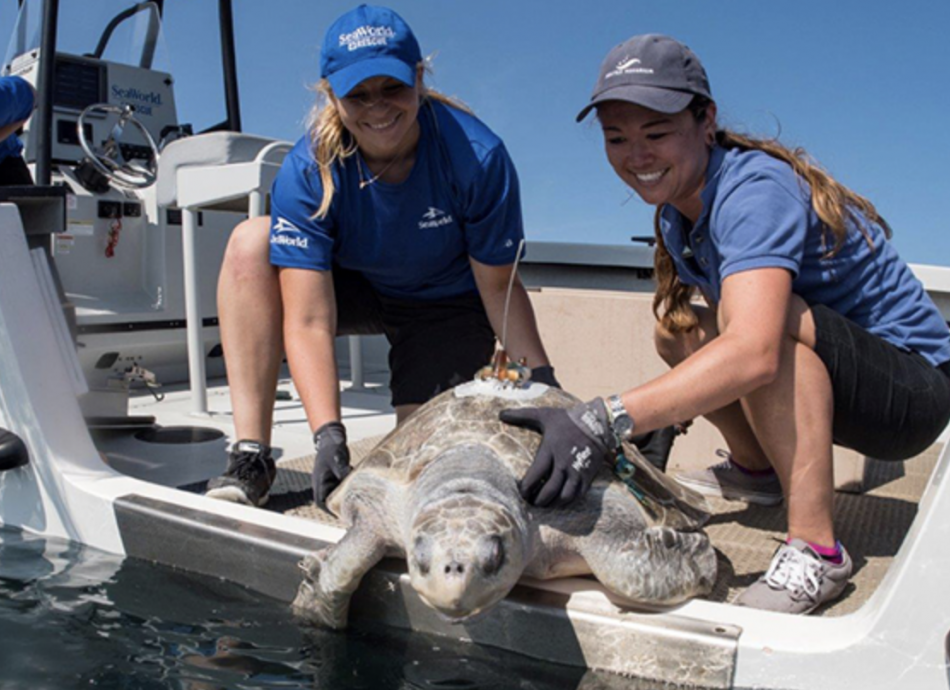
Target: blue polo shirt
[410,240]
[757,213]
[16,103]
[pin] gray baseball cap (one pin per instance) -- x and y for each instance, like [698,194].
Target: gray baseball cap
[657,72]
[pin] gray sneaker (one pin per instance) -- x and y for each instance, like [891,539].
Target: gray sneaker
[251,471]
[797,581]
[726,480]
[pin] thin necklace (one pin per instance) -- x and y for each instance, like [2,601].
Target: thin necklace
[364,183]
[359,167]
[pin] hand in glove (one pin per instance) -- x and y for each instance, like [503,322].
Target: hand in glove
[545,375]
[575,444]
[333,461]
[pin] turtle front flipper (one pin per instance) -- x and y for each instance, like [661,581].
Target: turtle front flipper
[332,575]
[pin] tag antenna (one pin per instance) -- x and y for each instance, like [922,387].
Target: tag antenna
[511,285]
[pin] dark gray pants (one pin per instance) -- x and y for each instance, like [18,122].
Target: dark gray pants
[889,404]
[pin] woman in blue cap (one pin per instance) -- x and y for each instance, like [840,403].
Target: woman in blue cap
[17,99]
[814,331]
[398,213]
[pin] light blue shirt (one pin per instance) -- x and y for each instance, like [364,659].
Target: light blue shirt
[410,240]
[757,213]
[16,103]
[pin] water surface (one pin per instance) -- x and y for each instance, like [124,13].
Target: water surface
[74,617]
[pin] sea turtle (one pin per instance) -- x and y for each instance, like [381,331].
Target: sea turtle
[441,491]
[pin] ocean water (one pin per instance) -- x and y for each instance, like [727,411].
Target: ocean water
[74,617]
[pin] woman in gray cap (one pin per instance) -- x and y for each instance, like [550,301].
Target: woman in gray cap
[813,333]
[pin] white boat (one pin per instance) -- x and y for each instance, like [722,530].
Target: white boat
[99,456]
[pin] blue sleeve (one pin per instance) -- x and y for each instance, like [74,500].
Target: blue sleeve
[761,223]
[493,222]
[297,239]
[16,100]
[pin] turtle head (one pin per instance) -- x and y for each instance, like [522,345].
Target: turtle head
[465,554]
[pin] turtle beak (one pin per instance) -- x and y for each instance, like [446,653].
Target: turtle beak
[475,615]
[455,580]
[454,587]
[455,613]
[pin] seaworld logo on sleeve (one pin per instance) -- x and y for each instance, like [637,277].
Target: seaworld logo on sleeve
[279,235]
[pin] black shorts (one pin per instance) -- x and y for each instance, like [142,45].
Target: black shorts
[433,345]
[14,173]
[889,403]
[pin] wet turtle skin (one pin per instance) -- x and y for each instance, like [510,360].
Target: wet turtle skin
[441,490]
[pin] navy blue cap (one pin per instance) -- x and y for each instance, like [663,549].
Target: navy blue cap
[657,72]
[368,42]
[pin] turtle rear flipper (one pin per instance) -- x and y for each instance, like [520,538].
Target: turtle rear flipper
[659,565]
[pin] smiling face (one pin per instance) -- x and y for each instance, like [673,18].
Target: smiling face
[382,115]
[662,157]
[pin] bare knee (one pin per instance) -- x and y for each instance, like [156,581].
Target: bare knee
[673,348]
[248,251]
[800,322]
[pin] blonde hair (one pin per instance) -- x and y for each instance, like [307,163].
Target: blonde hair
[331,142]
[838,208]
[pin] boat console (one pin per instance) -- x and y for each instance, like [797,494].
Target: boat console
[144,224]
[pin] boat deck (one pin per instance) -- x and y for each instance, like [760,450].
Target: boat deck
[872,525]
[366,413]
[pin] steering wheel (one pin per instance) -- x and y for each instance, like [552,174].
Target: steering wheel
[133,173]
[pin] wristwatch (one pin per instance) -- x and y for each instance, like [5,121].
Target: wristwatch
[620,422]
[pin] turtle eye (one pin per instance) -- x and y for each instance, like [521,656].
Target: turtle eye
[491,554]
[422,554]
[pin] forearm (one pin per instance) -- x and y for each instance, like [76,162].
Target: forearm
[523,339]
[753,336]
[309,326]
[7,130]
[312,362]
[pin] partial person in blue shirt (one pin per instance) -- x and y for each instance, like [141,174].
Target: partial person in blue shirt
[814,331]
[17,100]
[459,201]
[397,213]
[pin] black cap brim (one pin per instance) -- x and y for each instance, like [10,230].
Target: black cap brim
[661,100]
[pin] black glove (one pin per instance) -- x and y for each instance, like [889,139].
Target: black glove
[333,461]
[655,446]
[545,375]
[575,445]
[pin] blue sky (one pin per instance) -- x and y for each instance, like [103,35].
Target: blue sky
[861,84]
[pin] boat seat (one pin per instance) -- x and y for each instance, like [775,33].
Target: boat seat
[213,149]
[217,171]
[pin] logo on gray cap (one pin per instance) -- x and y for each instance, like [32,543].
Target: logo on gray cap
[654,71]
[627,66]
